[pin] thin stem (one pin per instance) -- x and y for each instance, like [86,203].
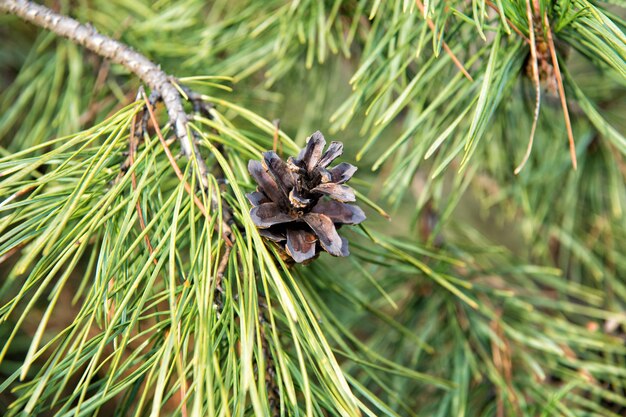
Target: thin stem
[226,228]
[133,144]
[537,81]
[559,80]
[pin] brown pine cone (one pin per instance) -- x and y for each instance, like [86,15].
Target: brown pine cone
[300,204]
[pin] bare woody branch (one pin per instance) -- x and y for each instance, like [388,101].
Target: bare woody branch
[119,53]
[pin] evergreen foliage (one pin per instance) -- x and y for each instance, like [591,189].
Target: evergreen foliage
[480,284]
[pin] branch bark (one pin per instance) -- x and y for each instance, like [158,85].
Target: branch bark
[119,53]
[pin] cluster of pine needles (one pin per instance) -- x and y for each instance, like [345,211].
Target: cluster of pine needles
[488,279]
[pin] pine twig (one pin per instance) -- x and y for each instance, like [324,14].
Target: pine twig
[559,80]
[221,268]
[133,144]
[136,63]
[536,80]
[117,52]
[226,231]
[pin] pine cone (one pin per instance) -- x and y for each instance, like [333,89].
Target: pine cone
[300,204]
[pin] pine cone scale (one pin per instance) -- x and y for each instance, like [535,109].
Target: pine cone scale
[342,172]
[338,192]
[256,198]
[340,213]
[325,230]
[269,214]
[279,170]
[313,151]
[334,151]
[300,245]
[274,236]
[266,182]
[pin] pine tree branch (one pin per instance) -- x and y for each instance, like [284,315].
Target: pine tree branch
[119,53]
